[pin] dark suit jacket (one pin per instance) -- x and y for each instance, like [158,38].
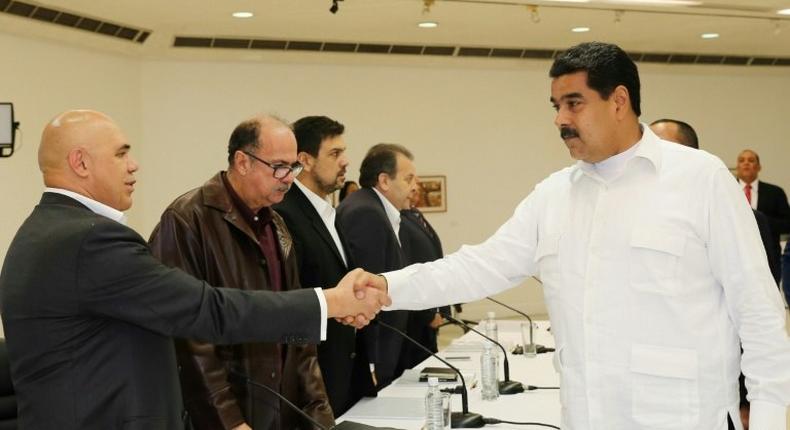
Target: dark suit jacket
[373,246]
[89,314]
[344,366]
[771,244]
[772,201]
[421,244]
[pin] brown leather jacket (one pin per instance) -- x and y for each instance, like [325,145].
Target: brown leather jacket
[203,233]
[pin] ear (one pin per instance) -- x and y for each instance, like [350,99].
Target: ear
[384,181]
[306,160]
[241,163]
[79,162]
[622,100]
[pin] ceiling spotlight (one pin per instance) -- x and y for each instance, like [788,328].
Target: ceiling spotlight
[334,7]
[709,35]
[428,24]
[427,6]
[783,12]
[580,29]
[243,14]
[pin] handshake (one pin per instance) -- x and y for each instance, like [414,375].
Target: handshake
[357,298]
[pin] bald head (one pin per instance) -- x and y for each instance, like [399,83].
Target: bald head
[675,131]
[84,151]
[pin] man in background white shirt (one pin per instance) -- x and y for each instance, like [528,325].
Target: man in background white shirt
[651,263]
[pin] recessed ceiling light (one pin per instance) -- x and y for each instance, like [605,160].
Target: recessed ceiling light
[243,14]
[580,29]
[709,35]
[783,12]
[428,24]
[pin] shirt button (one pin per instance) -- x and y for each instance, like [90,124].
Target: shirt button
[274,375]
[353,355]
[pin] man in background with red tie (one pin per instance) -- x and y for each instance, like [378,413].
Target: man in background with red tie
[768,199]
[762,196]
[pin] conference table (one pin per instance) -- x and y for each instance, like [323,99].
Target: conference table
[400,405]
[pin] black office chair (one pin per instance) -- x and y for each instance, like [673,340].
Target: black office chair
[8,411]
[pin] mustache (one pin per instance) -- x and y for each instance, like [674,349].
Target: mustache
[568,133]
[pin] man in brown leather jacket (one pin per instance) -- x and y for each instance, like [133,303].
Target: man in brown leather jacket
[226,233]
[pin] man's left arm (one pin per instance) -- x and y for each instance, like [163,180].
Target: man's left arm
[739,263]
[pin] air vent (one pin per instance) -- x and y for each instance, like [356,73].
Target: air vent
[67,19]
[458,51]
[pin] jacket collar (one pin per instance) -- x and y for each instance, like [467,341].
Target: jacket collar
[216,196]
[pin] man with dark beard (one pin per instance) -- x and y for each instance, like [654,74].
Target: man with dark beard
[320,253]
[226,233]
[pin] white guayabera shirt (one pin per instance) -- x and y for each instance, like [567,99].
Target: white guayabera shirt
[652,278]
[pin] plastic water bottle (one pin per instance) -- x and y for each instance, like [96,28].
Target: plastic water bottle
[434,418]
[491,329]
[489,372]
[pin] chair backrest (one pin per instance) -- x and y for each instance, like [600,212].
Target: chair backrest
[8,410]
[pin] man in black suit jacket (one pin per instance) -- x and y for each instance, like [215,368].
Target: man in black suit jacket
[320,255]
[369,221]
[89,314]
[762,196]
[421,244]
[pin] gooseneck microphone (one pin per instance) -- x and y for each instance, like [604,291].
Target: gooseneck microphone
[532,348]
[345,425]
[507,386]
[463,419]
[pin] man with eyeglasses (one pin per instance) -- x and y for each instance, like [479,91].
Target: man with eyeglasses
[226,233]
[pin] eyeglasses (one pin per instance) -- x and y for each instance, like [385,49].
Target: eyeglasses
[280,171]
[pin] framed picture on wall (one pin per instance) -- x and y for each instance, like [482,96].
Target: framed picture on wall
[432,193]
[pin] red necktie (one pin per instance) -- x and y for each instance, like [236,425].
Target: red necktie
[748,190]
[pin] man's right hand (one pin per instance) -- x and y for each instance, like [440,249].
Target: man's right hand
[357,298]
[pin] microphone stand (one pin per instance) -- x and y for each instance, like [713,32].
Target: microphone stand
[507,386]
[345,425]
[463,419]
[529,350]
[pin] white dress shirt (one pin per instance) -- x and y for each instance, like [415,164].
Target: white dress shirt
[755,191]
[393,214]
[327,214]
[116,215]
[651,281]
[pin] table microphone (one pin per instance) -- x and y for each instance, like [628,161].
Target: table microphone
[507,386]
[345,425]
[463,419]
[532,348]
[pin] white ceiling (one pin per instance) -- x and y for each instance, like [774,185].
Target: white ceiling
[747,27]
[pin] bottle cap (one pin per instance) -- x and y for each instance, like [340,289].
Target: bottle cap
[433,381]
[491,315]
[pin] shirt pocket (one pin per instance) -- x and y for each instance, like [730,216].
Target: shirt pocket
[655,255]
[665,387]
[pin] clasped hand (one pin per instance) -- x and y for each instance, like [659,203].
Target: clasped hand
[357,298]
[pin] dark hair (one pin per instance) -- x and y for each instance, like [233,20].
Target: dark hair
[244,137]
[344,190]
[381,158]
[607,66]
[687,135]
[310,131]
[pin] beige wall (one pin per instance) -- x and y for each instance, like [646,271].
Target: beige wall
[486,124]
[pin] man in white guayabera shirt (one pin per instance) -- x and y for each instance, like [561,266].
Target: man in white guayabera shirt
[651,264]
